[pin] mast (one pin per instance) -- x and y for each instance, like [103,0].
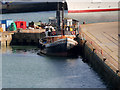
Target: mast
[63,32]
[58,17]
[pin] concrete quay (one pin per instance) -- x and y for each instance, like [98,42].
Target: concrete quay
[27,37]
[101,49]
[5,38]
[21,37]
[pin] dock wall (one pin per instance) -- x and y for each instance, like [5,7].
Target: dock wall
[98,63]
[22,37]
[100,50]
[26,38]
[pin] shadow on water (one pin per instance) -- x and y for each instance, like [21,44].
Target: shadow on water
[59,57]
[34,50]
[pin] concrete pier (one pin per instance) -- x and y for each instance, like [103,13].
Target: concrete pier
[101,49]
[5,38]
[21,37]
[27,37]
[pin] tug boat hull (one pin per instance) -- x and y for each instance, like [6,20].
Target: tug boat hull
[62,47]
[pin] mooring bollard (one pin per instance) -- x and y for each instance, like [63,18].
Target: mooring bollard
[117,71]
[94,49]
[101,52]
[104,59]
[83,22]
[91,42]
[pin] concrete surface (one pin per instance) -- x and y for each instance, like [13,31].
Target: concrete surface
[104,36]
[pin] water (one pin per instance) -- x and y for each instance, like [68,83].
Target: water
[96,17]
[82,17]
[23,68]
[31,16]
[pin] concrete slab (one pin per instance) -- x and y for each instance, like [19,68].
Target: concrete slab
[104,36]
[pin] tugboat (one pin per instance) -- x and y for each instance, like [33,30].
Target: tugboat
[58,45]
[62,41]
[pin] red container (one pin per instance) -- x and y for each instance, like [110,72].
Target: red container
[21,24]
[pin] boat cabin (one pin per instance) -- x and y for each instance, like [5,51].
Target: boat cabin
[68,22]
[71,27]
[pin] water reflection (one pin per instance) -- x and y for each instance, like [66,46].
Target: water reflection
[5,49]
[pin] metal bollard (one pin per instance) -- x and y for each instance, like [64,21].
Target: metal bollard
[83,22]
[104,59]
[101,52]
[117,71]
[94,49]
[91,42]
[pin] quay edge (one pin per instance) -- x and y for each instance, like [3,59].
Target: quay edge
[99,60]
[99,65]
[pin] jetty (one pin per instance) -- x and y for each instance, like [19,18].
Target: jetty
[101,49]
[21,37]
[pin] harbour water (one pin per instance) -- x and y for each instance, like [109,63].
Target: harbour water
[23,68]
[31,16]
[44,16]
